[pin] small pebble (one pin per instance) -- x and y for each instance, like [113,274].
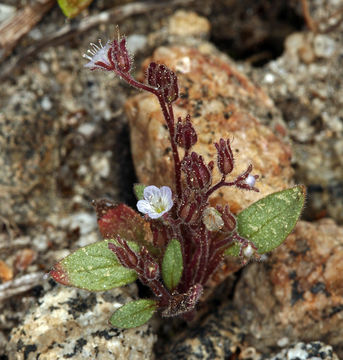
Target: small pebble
[6,272]
[46,103]
[324,46]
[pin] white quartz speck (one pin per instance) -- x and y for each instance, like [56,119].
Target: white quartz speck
[46,103]
[101,164]
[283,342]
[324,46]
[87,129]
[269,78]
[297,353]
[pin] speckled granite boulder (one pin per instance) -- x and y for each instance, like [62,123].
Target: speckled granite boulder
[73,324]
[218,337]
[223,336]
[306,83]
[312,351]
[29,155]
[222,103]
[298,293]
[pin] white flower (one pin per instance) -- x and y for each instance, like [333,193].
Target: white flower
[250,180]
[100,57]
[156,201]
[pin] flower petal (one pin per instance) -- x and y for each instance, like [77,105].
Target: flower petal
[166,195]
[144,206]
[99,54]
[155,215]
[151,193]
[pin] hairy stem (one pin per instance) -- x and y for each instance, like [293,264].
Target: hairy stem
[158,289]
[169,117]
[138,85]
[203,257]
[177,163]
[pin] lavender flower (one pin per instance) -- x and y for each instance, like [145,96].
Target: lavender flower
[156,201]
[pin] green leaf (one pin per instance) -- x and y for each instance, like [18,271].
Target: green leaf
[71,8]
[270,220]
[93,267]
[139,191]
[172,264]
[133,314]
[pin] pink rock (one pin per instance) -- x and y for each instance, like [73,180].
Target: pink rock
[298,293]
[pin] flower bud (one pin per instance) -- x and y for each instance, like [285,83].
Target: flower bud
[198,175]
[147,268]
[126,258]
[189,212]
[185,135]
[225,159]
[121,56]
[246,180]
[164,79]
[248,251]
[251,180]
[151,270]
[212,219]
[183,303]
[228,218]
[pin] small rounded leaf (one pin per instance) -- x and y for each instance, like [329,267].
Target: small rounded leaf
[270,220]
[133,314]
[172,264]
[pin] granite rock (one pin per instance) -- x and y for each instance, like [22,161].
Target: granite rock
[311,351]
[63,142]
[73,324]
[306,85]
[217,337]
[298,293]
[223,335]
[222,103]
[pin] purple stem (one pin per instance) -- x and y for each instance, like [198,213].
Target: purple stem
[138,85]
[159,291]
[219,185]
[202,262]
[169,117]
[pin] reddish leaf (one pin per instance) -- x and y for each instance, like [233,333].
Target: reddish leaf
[59,274]
[114,220]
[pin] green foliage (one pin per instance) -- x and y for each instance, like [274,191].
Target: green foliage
[133,314]
[172,264]
[71,8]
[269,221]
[93,267]
[139,191]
